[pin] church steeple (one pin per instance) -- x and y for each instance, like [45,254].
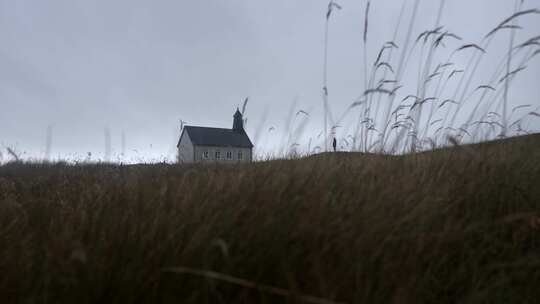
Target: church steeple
[238,122]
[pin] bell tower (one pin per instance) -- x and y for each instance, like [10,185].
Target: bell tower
[238,123]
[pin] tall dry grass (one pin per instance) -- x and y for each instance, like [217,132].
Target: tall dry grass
[397,114]
[448,226]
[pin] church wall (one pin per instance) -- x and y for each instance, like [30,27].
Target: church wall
[185,149]
[200,155]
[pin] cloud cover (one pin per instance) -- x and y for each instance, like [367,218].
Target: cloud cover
[137,67]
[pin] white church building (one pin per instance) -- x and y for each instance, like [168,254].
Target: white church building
[204,144]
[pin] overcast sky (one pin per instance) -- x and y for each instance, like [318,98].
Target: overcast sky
[137,66]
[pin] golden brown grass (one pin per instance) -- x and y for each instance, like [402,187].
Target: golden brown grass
[457,225]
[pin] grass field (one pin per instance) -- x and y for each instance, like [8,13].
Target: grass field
[456,225]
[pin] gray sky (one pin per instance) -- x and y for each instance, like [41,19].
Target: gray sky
[140,66]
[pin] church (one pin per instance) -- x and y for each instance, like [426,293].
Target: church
[204,144]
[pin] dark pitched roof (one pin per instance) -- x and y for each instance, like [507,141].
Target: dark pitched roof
[204,136]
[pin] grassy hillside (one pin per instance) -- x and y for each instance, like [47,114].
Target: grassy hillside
[458,225]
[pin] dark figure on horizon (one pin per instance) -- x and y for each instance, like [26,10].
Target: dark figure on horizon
[334,143]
